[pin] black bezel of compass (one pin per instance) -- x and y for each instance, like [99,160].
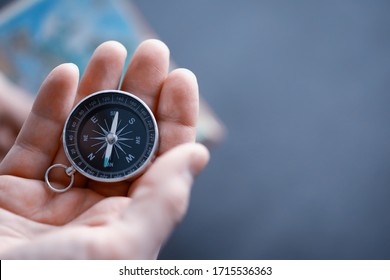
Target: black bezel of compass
[110,136]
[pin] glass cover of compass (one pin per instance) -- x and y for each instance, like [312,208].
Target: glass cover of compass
[110,136]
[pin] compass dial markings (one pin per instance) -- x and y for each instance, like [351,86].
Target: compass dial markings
[124,144]
[130,131]
[120,148]
[98,138]
[99,143]
[116,152]
[104,131]
[120,131]
[89,137]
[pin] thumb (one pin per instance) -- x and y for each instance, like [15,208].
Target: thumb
[161,197]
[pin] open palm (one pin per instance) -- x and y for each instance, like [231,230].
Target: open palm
[101,220]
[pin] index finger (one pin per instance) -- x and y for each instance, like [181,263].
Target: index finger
[39,138]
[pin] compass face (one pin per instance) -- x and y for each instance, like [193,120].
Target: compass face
[110,136]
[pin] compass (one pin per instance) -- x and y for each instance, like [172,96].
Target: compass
[109,136]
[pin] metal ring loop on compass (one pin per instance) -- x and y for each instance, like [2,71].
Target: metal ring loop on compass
[68,170]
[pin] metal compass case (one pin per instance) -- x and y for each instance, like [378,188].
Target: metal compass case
[109,136]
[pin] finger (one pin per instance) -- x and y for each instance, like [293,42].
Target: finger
[162,194]
[178,108]
[7,138]
[38,141]
[104,70]
[147,72]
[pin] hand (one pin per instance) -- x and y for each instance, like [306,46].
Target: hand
[95,220]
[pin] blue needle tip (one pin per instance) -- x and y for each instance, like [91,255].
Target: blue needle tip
[106,162]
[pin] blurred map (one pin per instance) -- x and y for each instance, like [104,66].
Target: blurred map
[36,36]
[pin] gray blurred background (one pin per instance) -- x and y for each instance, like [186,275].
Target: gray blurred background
[303,89]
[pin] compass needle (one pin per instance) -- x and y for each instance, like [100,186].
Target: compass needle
[108,154]
[111,139]
[106,163]
[114,125]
